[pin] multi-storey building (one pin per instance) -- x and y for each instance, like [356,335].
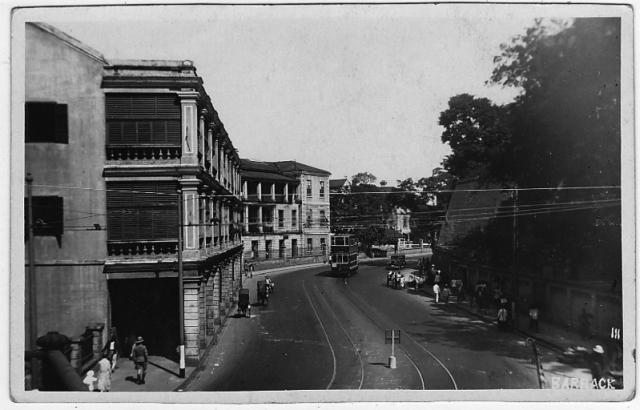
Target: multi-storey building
[125,156]
[164,136]
[286,210]
[64,138]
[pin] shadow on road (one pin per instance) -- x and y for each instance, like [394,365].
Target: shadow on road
[163,368]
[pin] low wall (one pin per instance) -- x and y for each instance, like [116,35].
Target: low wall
[278,263]
[584,308]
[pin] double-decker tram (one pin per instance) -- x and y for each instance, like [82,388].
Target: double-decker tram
[344,254]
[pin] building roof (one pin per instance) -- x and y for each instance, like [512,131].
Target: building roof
[298,167]
[262,166]
[70,41]
[337,183]
[267,176]
[279,170]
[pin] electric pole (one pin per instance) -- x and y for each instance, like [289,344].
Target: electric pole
[180,289]
[30,286]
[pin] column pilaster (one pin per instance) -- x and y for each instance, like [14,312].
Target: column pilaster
[189,115]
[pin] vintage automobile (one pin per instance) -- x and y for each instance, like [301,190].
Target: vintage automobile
[397,261]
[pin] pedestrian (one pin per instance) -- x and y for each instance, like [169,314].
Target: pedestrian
[502,318]
[140,357]
[461,292]
[438,276]
[436,291]
[112,348]
[585,323]
[390,276]
[89,379]
[533,318]
[104,374]
[445,293]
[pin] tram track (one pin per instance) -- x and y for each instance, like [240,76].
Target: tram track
[333,353]
[353,344]
[379,321]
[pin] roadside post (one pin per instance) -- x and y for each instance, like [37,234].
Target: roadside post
[390,336]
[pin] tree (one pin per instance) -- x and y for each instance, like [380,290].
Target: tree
[477,132]
[363,178]
[562,130]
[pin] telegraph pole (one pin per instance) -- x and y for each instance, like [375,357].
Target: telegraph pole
[180,289]
[514,276]
[30,285]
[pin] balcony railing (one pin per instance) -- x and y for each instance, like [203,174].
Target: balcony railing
[154,152]
[141,248]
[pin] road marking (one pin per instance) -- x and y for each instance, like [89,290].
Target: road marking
[333,354]
[355,348]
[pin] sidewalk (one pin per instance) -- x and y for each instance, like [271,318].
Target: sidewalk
[550,335]
[162,375]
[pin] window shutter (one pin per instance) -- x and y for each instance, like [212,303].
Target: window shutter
[61,124]
[142,210]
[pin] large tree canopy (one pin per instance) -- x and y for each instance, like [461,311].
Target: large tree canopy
[477,132]
[563,130]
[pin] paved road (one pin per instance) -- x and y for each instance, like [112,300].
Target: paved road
[318,333]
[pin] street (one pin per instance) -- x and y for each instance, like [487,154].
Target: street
[319,333]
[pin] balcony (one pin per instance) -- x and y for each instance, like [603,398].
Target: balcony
[117,152]
[141,248]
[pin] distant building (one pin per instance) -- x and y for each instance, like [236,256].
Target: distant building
[109,145]
[286,210]
[339,185]
[399,219]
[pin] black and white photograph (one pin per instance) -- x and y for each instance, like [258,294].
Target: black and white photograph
[250,203]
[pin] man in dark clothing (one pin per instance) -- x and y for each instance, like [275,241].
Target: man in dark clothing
[140,357]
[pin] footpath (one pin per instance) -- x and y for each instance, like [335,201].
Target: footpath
[163,373]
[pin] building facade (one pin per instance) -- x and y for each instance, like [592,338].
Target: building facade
[165,143]
[130,164]
[287,210]
[64,152]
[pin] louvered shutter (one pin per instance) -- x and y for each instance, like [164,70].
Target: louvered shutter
[61,128]
[142,210]
[143,119]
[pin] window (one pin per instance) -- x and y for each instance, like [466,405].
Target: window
[294,218]
[280,218]
[309,244]
[142,210]
[323,246]
[405,222]
[46,122]
[309,218]
[143,119]
[321,189]
[309,193]
[323,218]
[48,215]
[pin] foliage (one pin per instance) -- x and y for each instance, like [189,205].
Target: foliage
[562,130]
[477,132]
[363,178]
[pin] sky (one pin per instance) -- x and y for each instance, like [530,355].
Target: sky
[343,88]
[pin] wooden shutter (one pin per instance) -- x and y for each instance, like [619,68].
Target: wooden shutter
[143,119]
[142,210]
[61,127]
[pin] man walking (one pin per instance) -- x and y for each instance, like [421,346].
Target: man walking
[436,291]
[140,357]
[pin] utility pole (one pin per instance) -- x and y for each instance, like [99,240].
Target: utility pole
[514,275]
[180,289]
[30,286]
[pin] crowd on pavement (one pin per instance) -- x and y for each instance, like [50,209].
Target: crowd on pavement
[602,355]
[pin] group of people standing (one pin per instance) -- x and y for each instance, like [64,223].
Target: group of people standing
[107,364]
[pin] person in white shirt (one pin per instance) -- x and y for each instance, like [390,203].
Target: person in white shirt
[436,291]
